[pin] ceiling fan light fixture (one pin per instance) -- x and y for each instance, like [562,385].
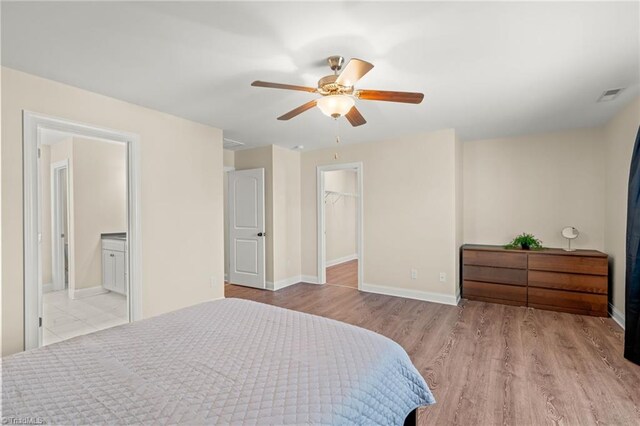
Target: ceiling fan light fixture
[336,105]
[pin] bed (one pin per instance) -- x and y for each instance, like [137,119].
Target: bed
[230,361]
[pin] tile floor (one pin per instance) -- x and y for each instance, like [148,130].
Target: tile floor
[64,318]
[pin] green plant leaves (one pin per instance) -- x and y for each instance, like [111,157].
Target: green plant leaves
[524,240]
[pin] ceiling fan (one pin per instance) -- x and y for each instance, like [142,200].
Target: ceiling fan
[338,92]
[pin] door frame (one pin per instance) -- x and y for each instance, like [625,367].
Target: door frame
[32,124]
[321,254]
[57,249]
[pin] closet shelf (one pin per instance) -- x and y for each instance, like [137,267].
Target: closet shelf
[337,195]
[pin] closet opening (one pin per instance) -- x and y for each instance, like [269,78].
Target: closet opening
[340,260]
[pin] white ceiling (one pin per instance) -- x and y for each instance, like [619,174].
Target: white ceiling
[487,69]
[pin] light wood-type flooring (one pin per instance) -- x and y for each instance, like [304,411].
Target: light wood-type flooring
[490,364]
[345,274]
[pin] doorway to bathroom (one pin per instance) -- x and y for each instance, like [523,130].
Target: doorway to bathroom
[82,253]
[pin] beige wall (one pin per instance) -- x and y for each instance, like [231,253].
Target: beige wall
[181,196]
[98,203]
[282,209]
[409,211]
[49,155]
[97,199]
[45,224]
[254,159]
[340,215]
[228,158]
[620,134]
[538,184]
[458,173]
[286,216]
[228,161]
[542,183]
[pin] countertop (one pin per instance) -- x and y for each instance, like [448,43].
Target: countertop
[121,236]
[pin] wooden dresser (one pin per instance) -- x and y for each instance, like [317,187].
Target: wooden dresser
[552,279]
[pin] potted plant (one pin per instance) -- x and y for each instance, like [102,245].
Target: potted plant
[525,242]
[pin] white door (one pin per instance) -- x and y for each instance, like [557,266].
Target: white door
[246,228]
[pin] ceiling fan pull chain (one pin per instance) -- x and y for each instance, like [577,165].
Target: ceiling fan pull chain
[335,154]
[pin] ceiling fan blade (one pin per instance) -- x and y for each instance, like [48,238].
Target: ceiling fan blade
[355,118]
[299,110]
[383,95]
[354,71]
[259,83]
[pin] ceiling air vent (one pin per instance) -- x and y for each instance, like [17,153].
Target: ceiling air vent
[231,144]
[609,95]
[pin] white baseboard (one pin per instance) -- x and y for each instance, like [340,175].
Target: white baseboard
[616,315]
[309,279]
[283,283]
[226,278]
[88,292]
[46,288]
[340,260]
[427,296]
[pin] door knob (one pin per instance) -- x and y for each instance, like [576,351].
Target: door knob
[262,234]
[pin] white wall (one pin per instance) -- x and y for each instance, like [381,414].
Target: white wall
[537,184]
[620,134]
[181,196]
[409,212]
[340,216]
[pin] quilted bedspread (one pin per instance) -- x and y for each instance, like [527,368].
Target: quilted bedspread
[230,361]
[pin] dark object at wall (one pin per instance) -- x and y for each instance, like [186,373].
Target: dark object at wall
[632,304]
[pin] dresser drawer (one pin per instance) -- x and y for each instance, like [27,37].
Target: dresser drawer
[495,275]
[495,259]
[573,282]
[579,303]
[494,292]
[568,263]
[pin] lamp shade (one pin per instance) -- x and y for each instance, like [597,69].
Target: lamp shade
[335,105]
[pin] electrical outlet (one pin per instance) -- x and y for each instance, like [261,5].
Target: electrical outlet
[443,277]
[414,274]
[214,282]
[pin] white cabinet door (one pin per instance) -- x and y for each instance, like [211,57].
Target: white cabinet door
[114,271]
[120,282]
[108,270]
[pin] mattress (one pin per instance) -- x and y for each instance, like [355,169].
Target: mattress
[229,361]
